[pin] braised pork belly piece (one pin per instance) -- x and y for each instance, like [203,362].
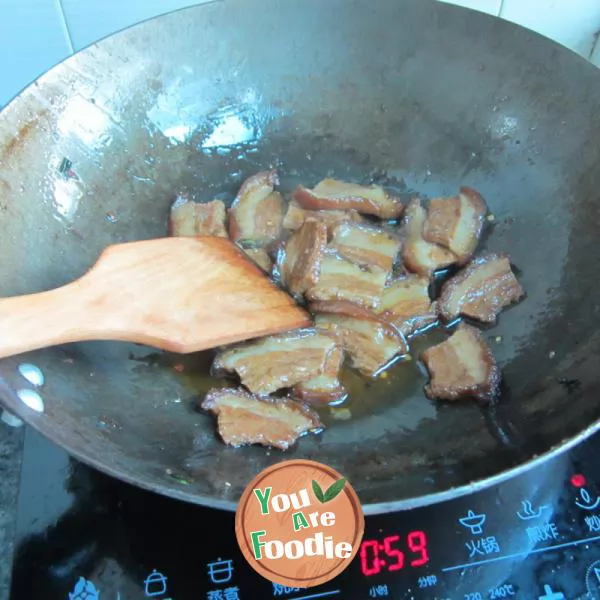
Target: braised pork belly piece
[325,388]
[462,367]
[456,223]
[302,258]
[244,419]
[182,217]
[420,256]
[296,215]
[340,279]
[367,269]
[405,303]
[257,211]
[370,344]
[259,256]
[276,362]
[341,307]
[211,219]
[365,245]
[481,290]
[332,194]
[191,219]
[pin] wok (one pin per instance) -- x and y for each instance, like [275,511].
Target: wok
[414,94]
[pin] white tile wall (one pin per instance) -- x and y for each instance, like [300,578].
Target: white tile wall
[91,20]
[572,23]
[32,39]
[36,34]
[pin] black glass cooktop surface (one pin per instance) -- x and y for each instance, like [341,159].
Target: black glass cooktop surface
[84,536]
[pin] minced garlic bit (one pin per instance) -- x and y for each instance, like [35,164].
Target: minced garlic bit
[341,414]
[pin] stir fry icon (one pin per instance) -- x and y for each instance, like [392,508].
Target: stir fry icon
[586,501]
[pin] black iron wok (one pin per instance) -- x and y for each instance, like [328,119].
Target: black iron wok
[418,95]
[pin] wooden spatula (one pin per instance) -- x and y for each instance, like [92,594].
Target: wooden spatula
[177,294]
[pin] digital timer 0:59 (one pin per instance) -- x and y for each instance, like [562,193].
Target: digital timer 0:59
[370,552]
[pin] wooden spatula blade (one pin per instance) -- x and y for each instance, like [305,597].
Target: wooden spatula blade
[177,294]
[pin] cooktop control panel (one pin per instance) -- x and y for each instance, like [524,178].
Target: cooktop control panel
[535,537]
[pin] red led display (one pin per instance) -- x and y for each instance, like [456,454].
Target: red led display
[390,555]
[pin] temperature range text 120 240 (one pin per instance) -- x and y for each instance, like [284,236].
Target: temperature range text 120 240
[391,554]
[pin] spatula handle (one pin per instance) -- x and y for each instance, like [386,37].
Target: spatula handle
[46,319]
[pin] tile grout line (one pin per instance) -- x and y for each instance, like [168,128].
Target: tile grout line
[65,25]
[595,44]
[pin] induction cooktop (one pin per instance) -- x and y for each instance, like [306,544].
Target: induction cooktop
[82,535]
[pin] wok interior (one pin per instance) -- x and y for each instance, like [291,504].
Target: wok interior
[415,95]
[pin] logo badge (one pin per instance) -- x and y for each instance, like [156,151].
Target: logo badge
[299,523]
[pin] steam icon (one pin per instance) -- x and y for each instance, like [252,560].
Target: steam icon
[528,512]
[473,522]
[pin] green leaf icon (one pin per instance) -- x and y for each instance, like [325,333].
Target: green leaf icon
[318,491]
[334,489]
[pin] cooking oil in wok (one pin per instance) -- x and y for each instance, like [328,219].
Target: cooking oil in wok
[403,379]
[306,161]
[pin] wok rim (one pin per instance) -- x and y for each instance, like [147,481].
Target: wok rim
[369,509]
[38,422]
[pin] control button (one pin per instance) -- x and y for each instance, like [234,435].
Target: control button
[528,512]
[473,522]
[592,579]
[155,584]
[220,571]
[587,501]
[83,590]
[551,595]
